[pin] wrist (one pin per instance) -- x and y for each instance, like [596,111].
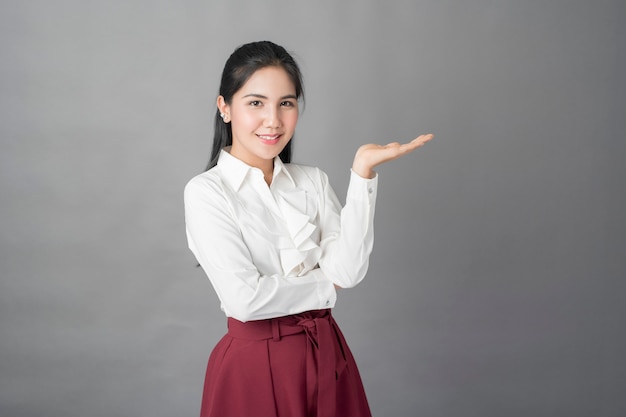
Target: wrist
[363,171]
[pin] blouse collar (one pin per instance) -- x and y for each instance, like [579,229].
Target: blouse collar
[234,171]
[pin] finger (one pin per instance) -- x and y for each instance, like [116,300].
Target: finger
[415,143]
[420,140]
[423,138]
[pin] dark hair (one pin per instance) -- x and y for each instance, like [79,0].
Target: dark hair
[240,66]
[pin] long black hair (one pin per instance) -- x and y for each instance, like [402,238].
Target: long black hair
[240,66]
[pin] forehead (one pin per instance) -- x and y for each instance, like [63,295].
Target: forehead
[269,81]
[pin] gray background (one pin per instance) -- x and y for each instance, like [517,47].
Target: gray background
[497,283]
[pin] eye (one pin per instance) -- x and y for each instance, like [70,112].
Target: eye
[287,104]
[255,103]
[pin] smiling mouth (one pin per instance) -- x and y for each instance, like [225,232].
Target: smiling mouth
[269,139]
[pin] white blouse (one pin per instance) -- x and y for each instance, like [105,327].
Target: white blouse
[278,250]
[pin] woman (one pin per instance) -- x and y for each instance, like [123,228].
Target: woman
[276,245]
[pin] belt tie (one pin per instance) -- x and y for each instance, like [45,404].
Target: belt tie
[325,354]
[325,362]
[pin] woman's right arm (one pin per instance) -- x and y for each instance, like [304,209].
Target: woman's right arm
[215,239]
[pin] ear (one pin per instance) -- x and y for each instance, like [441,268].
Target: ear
[224,109]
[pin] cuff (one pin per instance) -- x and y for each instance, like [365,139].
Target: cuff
[325,290]
[363,189]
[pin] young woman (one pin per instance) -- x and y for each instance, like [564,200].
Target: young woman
[276,245]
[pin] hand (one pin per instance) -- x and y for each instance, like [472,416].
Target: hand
[370,155]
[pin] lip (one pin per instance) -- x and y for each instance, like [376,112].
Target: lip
[270,139]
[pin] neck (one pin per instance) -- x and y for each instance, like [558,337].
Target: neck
[268,169]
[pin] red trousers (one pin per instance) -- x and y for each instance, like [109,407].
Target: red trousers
[293,366]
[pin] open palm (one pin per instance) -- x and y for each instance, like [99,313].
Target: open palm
[371,155]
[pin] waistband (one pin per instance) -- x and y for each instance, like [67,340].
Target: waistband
[278,327]
[325,358]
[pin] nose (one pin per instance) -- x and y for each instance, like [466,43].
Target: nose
[272,117]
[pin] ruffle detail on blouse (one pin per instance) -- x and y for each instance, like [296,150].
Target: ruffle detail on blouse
[305,254]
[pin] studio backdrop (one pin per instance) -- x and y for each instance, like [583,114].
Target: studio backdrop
[496,287]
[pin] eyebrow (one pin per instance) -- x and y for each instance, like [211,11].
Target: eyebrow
[293,96]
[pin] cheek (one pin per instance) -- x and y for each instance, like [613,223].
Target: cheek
[291,120]
[244,121]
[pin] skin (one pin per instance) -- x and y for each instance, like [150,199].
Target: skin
[263,116]
[371,155]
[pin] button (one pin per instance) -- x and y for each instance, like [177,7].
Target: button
[370,190]
[327,303]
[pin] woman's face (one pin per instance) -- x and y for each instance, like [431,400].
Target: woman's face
[263,116]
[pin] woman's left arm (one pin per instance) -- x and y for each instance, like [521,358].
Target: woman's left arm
[348,232]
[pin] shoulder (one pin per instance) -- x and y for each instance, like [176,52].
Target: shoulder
[206,184]
[304,172]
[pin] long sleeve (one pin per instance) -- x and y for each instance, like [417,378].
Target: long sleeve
[348,232]
[215,238]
